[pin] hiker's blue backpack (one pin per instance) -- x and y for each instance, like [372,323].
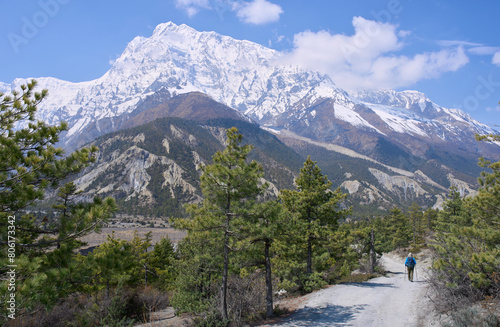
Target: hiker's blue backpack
[410,262]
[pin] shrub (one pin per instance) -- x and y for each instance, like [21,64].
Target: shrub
[123,307]
[471,317]
[150,300]
[314,282]
[213,319]
[246,298]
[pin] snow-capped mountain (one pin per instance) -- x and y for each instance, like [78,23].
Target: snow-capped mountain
[237,73]
[249,77]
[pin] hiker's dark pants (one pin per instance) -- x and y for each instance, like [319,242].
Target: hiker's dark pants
[410,273]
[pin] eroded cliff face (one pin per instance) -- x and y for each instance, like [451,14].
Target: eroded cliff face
[366,194]
[404,187]
[463,188]
[415,187]
[375,187]
[147,168]
[128,174]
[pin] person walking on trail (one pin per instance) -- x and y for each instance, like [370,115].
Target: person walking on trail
[410,264]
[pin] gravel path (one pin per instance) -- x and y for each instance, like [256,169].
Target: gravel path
[383,301]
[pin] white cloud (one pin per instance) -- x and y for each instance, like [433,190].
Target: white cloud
[483,50]
[367,59]
[404,33]
[472,48]
[192,7]
[255,12]
[402,71]
[496,58]
[497,108]
[258,12]
[277,39]
[455,43]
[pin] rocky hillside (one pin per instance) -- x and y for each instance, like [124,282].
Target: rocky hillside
[375,187]
[153,167]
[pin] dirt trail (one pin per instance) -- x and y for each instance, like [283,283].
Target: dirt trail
[384,301]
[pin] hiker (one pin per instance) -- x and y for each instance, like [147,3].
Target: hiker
[410,263]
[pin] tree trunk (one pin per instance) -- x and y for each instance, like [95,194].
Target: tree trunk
[309,244]
[269,281]
[309,255]
[372,252]
[414,230]
[225,270]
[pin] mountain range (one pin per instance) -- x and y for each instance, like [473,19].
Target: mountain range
[395,146]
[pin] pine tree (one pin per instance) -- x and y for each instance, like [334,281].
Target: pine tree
[416,217]
[394,231]
[30,164]
[399,228]
[163,262]
[485,230]
[142,256]
[453,212]
[112,264]
[430,218]
[29,161]
[268,223]
[317,206]
[228,185]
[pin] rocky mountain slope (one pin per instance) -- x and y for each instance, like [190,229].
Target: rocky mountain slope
[154,168]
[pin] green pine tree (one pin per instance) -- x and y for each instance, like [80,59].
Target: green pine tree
[268,223]
[111,264]
[430,218]
[142,256]
[228,185]
[317,206]
[401,228]
[454,211]
[163,263]
[416,216]
[31,164]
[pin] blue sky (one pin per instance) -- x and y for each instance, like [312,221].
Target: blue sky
[449,50]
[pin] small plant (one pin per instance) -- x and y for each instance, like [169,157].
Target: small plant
[279,311]
[213,319]
[314,282]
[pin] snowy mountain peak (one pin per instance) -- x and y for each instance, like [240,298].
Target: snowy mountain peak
[170,27]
